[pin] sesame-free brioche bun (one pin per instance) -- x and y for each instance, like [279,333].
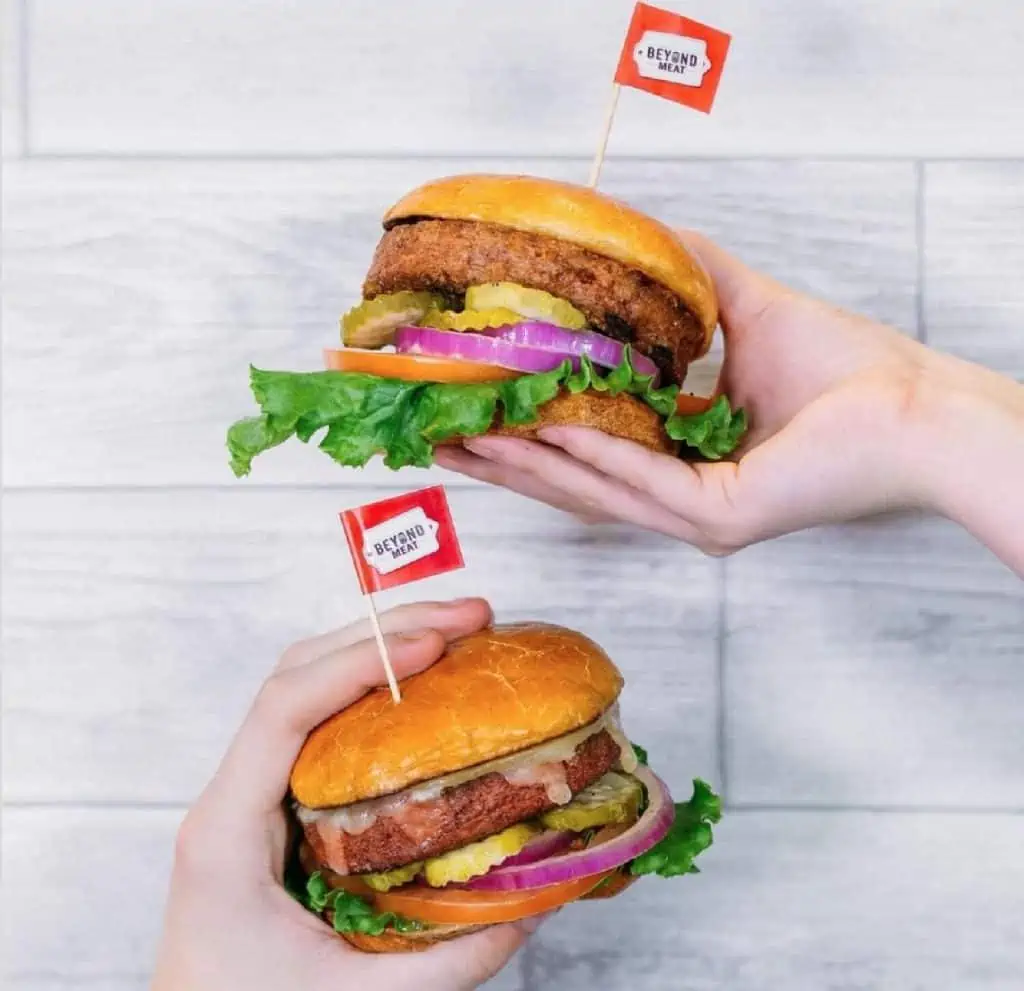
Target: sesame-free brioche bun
[504,689]
[572,213]
[618,416]
[390,941]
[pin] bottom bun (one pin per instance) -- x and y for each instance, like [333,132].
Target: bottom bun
[620,416]
[390,941]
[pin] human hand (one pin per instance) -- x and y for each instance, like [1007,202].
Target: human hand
[837,404]
[229,921]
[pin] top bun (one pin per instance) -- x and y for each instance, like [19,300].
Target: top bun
[492,694]
[571,213]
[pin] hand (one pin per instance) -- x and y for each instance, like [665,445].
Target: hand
[838,405]
[229,922]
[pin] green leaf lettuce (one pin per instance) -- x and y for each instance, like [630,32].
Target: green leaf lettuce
[349,912]
[689,836]
[364,415]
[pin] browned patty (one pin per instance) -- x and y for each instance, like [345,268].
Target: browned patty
[458,816]
[448,256]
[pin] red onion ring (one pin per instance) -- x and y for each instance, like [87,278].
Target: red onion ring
[467,346]
[529,347]
[648,830]
[547,844]
[601,350]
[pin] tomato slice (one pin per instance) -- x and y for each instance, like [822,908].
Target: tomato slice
[687,405]
[457,905]
[414,367]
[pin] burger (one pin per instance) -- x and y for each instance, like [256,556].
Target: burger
[502,786]
[503,304]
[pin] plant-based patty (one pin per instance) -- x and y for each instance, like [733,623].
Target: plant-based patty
[460,815]
[448,256]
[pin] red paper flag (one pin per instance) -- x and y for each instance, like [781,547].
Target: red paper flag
[403,539]
[673,57]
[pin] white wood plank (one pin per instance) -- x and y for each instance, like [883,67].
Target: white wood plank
[137,295]
[64,983]
[111,865]
[109,869]
[974,294]
[10,78]
[795,900]
[882,664]
[803,78]
[142,624]
[811,901]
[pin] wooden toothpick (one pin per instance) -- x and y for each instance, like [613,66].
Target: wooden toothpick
[595,169]
[385,658]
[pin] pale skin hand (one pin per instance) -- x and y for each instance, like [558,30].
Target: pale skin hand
[849,418]
[229,922]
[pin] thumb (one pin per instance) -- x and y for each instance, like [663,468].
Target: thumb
[743,294]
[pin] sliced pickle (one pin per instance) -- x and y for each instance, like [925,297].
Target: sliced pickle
[532,304]
[386,880]
[470,319]
[478,858]
[372,323]
[614,798]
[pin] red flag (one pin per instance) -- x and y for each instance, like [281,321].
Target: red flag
[673,57]
[403,539]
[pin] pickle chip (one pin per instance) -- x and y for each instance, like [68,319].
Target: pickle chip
[373,322]
[386,880]
[470,319]
[531,304]
[478,858]
[614,798]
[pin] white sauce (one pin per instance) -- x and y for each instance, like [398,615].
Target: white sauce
[551,775]
[543,764]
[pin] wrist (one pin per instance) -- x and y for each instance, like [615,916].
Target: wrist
[968,436]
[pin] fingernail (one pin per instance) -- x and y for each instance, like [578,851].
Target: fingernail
[481,445]
[414,635]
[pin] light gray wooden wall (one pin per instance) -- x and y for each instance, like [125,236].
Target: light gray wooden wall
[192,186]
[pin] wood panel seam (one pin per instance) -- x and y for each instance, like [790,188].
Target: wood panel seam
[24,80]
[920,236]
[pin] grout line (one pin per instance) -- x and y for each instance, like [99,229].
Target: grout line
[872,808]
[97,805]
[79,981]
[462,154]
[24,80]
[738,808]
[721,701]
[200,488]
[919,237]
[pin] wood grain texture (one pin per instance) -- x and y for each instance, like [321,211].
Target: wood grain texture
[807,902]
[974,251]
[112,865]
[882,664]
[137,295]
[394,76]
[109,869]
[802,901]
[143,624]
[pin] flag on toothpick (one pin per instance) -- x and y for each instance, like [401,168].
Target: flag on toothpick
[397,541]
[670,56]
